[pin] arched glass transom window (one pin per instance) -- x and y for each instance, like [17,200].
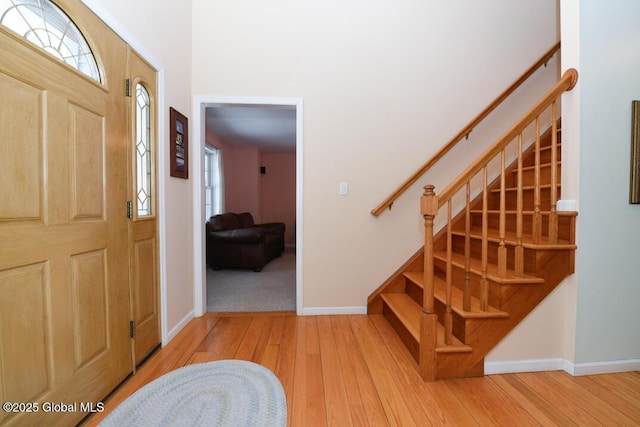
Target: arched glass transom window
[47,26]
[144,188]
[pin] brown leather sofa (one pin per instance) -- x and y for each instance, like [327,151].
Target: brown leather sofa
[234,241]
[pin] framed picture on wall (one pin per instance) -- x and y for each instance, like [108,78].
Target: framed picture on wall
[178,144]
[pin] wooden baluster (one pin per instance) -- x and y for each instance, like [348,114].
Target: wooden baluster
[519,251]
[484,284]
[537,215]
[429,318]
[553,214]
[502,248]
[448,320]
[429,210]
[466,297]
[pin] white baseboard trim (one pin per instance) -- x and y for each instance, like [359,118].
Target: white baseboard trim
[181,324]
[595,368]
[515,366]
[319,311]
[559,364]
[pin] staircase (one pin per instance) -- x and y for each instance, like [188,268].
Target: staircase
[499,254]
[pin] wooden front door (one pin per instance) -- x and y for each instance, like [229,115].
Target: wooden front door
[143,227]
[64,282]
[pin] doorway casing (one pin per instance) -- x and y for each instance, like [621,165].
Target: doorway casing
[200,103]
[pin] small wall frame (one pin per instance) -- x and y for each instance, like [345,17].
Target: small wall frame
[634,188]
[178,144]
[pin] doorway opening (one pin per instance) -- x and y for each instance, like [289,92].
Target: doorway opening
[259,171]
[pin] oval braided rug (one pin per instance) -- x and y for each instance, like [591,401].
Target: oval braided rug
[220,393]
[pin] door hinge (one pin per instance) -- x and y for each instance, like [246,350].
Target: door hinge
[132,328]
[128,87]
[129,209]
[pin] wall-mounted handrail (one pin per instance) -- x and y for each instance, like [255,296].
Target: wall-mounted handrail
[386,203]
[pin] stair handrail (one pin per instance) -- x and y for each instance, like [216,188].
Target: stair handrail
[464,133]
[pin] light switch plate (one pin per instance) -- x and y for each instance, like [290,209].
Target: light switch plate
[344,189]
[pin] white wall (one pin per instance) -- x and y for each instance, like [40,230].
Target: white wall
[384,84]
[160,32]
[608,269]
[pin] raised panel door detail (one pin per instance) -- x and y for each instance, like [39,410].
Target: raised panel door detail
[87,164]
[25,322]
[144,288]
[88,283]
[20,174]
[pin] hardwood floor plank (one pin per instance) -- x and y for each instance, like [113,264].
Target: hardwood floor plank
[624,403]
[584,399]
[286,362]
[253,338]
[308,388]
[392,394]
[269,356]
[366,408]
[633,379]
[559,398]
[544,412]
[335,394]
[190,338]
[299,401]
[488,404]
[225,337]
[619,386]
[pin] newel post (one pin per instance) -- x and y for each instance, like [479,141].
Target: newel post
[429,318]
[429,210]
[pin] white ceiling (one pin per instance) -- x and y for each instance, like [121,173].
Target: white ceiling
[270,127]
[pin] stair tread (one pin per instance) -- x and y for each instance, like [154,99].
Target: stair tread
[457,296]
[409,313]
[524,212]
[492,270]
[528,168]
[510,239]
[524,188]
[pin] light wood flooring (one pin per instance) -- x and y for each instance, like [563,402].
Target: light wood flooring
[353,370]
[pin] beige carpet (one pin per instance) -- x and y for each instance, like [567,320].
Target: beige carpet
[272,289]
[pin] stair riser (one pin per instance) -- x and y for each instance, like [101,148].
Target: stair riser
[458,280]
[528,198]
[414,291]
[534,259]
[545,157]
[492,253]
[528,176]
[458,322]
[406,337]
[565,224]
